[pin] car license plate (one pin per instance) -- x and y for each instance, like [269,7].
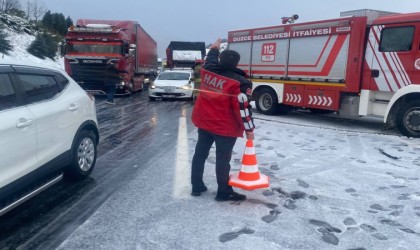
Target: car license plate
[95,92]
[168,96]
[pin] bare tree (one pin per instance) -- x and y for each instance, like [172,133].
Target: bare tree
[28,10]
[7,5]
[35,9]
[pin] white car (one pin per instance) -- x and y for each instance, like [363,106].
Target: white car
[176,84]
[48,131]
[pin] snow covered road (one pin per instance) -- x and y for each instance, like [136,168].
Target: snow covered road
[330,189]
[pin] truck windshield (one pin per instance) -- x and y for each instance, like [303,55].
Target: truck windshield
[83,48]
[174,76]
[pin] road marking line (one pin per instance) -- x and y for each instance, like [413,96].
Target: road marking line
[182,165]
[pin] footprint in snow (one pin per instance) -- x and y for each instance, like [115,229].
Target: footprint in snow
[289,204]
[375,233]
[367,228]
[393,223]
[267,204]
[378,207]
[349,221]
[233,235]
[268,193]
[280,155]
[302,183]
[327,231]
[404,197]
[397,210]
[271,217]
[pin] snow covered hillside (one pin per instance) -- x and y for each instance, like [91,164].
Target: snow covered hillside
[20,37]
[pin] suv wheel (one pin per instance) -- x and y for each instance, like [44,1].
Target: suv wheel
[83,156]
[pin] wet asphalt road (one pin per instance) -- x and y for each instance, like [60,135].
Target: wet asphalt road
[130,134]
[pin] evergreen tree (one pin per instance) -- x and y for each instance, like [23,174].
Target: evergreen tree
[37,47]
[61,25]
[50,46]
[47,21]
[43,46]
[69,22]
[5,45]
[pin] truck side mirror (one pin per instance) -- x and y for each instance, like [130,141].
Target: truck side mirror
[132,49]
[61,48]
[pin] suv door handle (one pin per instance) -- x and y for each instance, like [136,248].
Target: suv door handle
[23,123]
[73,107]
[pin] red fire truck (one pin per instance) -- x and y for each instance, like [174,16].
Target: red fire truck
[91,44]
[357,66]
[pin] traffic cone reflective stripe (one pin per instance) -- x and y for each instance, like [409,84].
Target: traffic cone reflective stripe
[249,177]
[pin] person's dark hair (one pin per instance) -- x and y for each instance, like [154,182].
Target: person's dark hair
[229,58]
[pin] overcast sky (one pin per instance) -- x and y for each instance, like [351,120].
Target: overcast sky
[195,20]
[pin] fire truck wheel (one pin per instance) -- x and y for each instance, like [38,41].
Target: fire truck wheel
[267,102]
[408,119]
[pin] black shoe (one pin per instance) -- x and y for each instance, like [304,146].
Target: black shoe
[197,190]
[230,197]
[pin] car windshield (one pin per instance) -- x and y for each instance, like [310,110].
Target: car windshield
[174,76]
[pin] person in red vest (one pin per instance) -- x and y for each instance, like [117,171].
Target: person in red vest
[221,113]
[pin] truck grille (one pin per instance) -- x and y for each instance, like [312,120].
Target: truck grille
[91,76]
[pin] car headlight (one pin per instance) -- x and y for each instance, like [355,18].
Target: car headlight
[186,87]
[152,86]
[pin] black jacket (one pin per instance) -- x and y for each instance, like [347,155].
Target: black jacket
[112,74]
[212,65]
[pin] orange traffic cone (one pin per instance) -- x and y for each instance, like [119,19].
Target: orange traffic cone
[249,178]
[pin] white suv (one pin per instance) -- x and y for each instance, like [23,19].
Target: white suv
[48,130]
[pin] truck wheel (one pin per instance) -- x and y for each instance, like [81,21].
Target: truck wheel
[83,156]
[408,119]
[267,102]
[141,87]
[131,89]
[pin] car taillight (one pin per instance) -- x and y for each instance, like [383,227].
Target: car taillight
[90,96]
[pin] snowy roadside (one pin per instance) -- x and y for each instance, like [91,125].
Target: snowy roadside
[21,42]
[330,189]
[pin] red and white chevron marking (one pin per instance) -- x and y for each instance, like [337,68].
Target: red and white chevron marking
[295,98]
[320,100]
[393,74]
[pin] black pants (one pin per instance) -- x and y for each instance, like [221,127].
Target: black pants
[224,147]
[112,88]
